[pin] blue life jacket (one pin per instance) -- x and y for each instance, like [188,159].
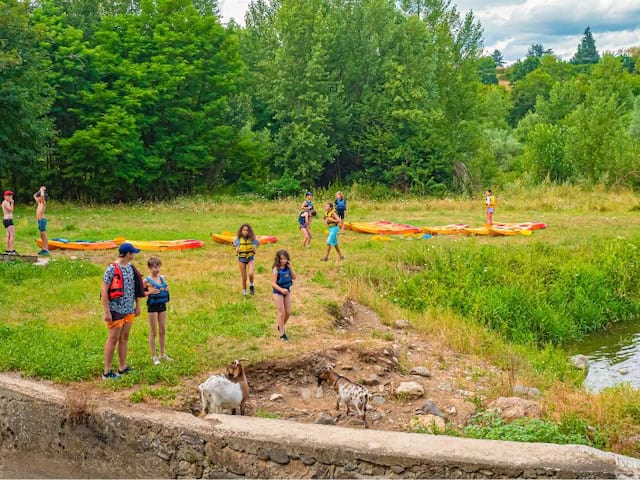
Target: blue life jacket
[158,298]
[284,278]
[341,204]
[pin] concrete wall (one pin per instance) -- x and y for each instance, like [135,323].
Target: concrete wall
[119,441]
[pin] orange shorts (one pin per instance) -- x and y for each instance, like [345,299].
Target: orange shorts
[120,323]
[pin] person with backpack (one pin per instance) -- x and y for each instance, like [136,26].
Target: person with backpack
[122,288]
[340,207]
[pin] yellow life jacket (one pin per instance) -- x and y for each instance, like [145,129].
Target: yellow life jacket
[329,219]
[491,201]
[246,248]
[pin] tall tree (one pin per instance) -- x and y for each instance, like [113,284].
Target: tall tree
[498,58]
[587,53]
[25,97]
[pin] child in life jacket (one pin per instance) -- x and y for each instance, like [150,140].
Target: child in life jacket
[157,292]
[340,207]
[490,202]
[246,245]
[304,223]
[332,220]
[282,277]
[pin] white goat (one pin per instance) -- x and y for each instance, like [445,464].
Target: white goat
[220,392]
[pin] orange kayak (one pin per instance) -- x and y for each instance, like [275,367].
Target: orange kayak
[382,227]
[227,238]
[63,243]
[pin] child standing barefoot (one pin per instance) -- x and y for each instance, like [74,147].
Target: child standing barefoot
[246,245]
[332,220]
[490,202]
[282,278]
[341,207]
[157,298]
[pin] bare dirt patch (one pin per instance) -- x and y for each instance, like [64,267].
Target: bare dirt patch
[287,388]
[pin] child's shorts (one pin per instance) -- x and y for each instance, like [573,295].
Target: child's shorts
[42,225]
[340,213]
[157,308]
[490,210]
[7,223]
[332,239]
[119,320]
[246,259]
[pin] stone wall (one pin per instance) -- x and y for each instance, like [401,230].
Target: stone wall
[116,441]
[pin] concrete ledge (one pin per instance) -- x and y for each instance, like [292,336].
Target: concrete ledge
[119,441]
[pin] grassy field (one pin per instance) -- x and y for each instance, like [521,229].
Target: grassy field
[510,300]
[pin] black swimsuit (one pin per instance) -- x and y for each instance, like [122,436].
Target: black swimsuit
[7,222]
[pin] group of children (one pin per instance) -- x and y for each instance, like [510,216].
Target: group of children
[8,205]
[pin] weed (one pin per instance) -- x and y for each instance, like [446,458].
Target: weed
[266,414]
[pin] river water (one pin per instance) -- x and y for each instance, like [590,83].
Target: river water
[614,357]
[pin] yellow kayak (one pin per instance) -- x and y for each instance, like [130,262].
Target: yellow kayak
[227,238]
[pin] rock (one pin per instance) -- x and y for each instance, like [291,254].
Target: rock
[402,324]
[421,371]
[319,392]
[371,380]
[396,350]
[466,393]
[511,408]
[278,455]
[432,423]
[397,469]
[307,460]
[623,371]
[375,416]
[305,394]
[528,391]
[445,387]
[581,362]
[452,411]
[377,399]
[386,352]
[431,408]
[410,389]
[276,396]
[325,419]
[347,367]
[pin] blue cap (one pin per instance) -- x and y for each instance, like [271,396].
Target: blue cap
[308,193]
[128,248]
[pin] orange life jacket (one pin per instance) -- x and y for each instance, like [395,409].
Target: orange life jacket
[116,287]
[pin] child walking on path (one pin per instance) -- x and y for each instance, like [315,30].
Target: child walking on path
[490,202]
[157,292]
[341,207]
[7,221]
[246,245]
[332,220]
[282,277]
[304,222]
[41,206]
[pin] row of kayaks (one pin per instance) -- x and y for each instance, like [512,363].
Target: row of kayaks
[392,228]
[375,228]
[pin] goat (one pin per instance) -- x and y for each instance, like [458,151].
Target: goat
[230,391]
[349,392]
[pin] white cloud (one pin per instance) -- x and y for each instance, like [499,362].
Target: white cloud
[512,26]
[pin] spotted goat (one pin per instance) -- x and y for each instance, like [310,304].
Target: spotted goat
[349,392]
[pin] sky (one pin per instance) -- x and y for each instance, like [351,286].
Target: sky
[511,26]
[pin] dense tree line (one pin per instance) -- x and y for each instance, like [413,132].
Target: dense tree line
[114,100]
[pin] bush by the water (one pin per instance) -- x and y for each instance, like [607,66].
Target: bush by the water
[539,292]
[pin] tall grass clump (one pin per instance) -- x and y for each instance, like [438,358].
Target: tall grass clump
[538,293]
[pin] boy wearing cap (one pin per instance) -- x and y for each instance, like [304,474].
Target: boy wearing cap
[120,293]
[41,205]
[7,221]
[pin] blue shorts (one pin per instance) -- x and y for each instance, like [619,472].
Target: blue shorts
[246,259]
[278,292]
[42,224]
[490,210]
[332,239]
